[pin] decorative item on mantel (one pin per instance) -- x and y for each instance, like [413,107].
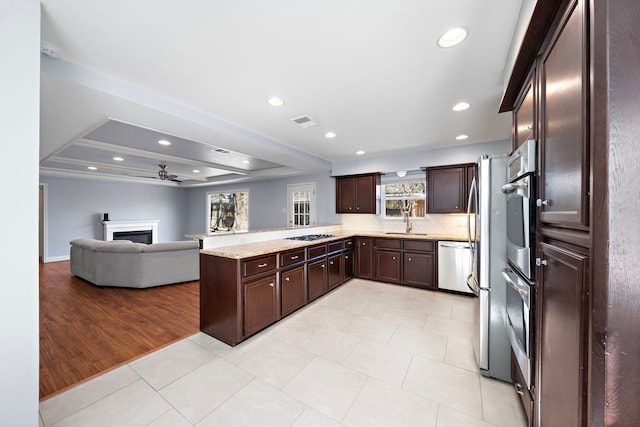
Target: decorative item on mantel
[105,216]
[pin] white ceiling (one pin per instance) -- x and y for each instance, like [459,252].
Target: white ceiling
[199,72]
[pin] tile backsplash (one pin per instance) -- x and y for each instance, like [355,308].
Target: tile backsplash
[429,224]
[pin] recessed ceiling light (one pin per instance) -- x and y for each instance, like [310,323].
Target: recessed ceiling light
[452,37]
[196,171]
[461,106]
[246,162]
[330,135]
[359,152]
[164,142]
[118,159]
[462,137]
[275,101]
[92,168]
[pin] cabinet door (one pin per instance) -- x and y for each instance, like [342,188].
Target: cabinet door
[447,189]
[364,258]
[418,269]
[334,270]
[561,348]
[260,304]
[388,266]
[564,141]
[348,264]
[345,195]
[317,279]
[365,195]
[524,115]
[293,293]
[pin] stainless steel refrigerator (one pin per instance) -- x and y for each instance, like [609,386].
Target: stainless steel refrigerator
[487,239]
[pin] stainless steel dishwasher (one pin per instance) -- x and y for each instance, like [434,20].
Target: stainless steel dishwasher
[454,263]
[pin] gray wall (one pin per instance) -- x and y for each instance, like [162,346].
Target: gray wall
[75,207]
[19,112]
[267,199]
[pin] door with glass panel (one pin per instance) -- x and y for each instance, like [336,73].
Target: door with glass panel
[302,205]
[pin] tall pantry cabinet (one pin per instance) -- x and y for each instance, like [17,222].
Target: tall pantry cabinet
[579,69]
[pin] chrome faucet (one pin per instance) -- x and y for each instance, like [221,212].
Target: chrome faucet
[405,218]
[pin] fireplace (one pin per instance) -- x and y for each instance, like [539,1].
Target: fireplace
[142,236]
[131,230]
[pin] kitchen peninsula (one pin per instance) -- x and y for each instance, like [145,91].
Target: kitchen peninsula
[245,288]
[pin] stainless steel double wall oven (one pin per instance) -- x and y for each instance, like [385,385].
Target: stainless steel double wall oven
[519,274]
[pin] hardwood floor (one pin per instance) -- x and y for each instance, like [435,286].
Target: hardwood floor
[86,330]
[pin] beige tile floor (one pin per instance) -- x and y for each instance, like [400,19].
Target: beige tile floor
[367,354]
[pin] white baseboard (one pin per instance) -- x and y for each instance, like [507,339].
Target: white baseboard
[56,258]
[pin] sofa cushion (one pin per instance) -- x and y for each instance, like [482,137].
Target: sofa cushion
[121,247]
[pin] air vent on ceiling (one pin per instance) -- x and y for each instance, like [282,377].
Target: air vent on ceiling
[304,122]
[221,151]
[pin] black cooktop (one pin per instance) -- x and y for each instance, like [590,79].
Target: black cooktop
[311,237]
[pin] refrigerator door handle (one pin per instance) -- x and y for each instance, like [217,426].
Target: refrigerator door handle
[472,193]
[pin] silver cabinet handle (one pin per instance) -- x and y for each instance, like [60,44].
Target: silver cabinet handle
[518,388]
[271,285]
[528,127]
[295,257]
[322,265]
[346,257]
[331,262]
[394,257]
[262,265]
[409,258]
[541,202]
[511,187]
[287,279]
[541,262]
[461,246]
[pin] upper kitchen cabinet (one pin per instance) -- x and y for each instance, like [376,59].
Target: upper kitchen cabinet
[357,193]
[524,114]
[564,144]
[448,188]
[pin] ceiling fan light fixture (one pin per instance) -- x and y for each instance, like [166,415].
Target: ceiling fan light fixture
[401,174]
[453,37]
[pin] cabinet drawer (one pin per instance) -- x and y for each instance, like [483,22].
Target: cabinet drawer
[347,244]
[334,246]
[316,251]
[419,245]
[389,243]
[292,257]
[258,265]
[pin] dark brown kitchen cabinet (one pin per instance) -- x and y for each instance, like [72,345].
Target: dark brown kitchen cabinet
[564,144]
[357,193]
[293,292]
[364,258]
[418,269]
[260,304]
[347,256]
[562,307]
[317,284]
[448,188]
[334,270]
[524,114]
[388,265]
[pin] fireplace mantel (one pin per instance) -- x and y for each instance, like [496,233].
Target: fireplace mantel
[113,226]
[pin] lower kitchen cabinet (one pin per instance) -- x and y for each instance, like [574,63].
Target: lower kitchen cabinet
[260,304]
[317,278]
[562,310]
[334,270]
[388,266]
[418,269]
[364,258]
[347,257]
[293,292]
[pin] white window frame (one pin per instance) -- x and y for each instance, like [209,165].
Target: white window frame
[307,187]
[208,209]
[398,180]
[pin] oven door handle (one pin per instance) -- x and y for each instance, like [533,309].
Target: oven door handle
[511,187]
[522,290]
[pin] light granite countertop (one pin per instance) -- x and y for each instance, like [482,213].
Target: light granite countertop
[279,245]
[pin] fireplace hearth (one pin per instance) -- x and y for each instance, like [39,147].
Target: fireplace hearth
[131,230]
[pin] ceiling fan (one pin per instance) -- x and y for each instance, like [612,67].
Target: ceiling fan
[163,174]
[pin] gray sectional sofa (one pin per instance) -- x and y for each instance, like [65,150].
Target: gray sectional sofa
[135,265]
